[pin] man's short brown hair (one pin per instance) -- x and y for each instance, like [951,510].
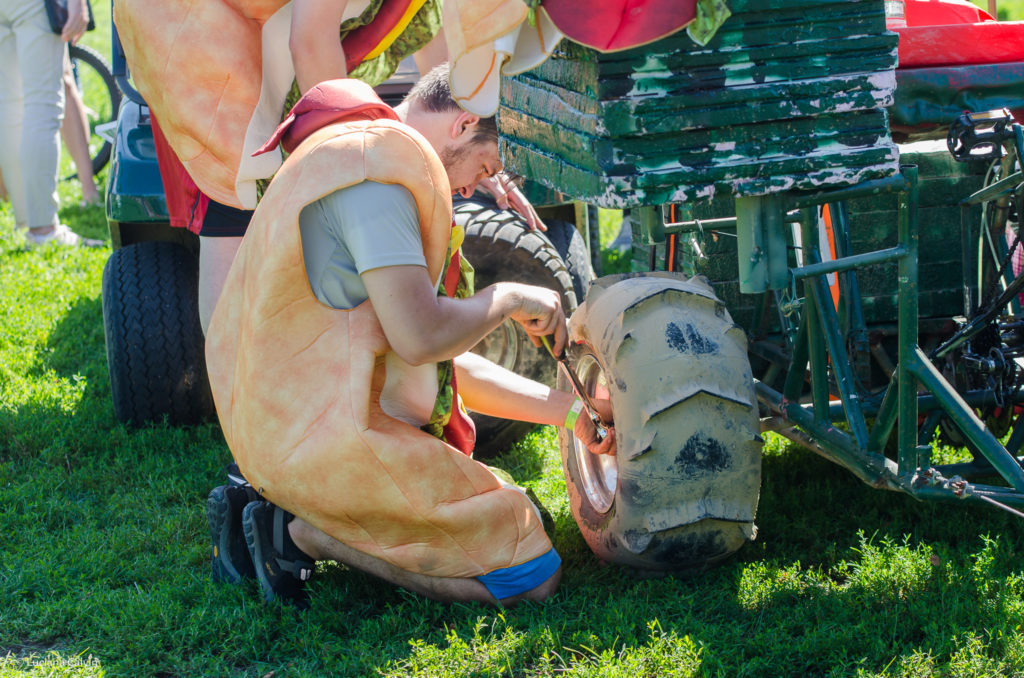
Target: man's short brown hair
[434,93]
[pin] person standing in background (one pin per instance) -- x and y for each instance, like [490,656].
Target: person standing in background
[75,133]
[31,111]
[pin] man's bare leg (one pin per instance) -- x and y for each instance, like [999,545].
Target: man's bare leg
[215,258]
[321,546]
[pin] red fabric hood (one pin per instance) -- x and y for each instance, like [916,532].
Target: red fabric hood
[328,102]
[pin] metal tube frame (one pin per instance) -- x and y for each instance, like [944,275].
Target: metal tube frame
[850,432]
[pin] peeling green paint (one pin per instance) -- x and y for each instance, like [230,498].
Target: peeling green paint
[872,227]
[788,94]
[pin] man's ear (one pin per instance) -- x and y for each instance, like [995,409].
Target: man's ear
[464,123]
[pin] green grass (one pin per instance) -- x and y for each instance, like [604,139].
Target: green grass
[105,566]
[105,572]
[1008,10]
[104,555]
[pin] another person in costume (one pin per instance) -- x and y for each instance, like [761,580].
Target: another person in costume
[331,363]
[217,76]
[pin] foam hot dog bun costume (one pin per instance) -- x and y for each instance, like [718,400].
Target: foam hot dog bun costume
[216,74]
[297,384]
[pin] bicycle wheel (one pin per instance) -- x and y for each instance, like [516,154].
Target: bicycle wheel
[100,95]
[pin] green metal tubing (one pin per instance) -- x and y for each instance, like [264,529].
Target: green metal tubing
[795,378]
[818,356]
[850,263]
[965,419]
[856,331]
[971,497]
[928,403]
[891,184]
[1017,437]
[873,469]
[886,419]
[842,367]
[1004,186]
[823,309]
[907,313]
[966,259]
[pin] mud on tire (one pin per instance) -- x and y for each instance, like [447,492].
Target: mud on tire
[682,491]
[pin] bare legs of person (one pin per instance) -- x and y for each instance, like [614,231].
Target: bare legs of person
[215,257]
[320,546]
[74,130]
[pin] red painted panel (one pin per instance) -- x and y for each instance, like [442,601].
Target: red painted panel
[990,42]
[941,12]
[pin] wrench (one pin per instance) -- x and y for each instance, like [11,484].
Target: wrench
[577,386]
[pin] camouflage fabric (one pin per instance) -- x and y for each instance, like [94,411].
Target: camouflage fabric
[443,405]
[711,14]
[421,30]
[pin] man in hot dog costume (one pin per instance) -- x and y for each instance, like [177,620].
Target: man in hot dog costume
[330,360]
[217,75]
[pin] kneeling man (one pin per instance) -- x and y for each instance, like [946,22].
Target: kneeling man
[331,353]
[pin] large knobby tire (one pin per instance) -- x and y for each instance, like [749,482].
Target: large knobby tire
[502,248]
[682,490]
[155,344]
[571,246]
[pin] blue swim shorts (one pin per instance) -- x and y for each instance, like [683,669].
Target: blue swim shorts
[511,581]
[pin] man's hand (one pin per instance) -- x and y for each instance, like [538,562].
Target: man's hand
[505,190]
[587,434]
[539,311]
[78,21]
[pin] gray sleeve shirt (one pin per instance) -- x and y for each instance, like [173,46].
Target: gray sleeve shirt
[356,229]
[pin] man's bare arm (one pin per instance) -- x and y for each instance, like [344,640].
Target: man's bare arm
[423,327]
[315,43]
[492,390]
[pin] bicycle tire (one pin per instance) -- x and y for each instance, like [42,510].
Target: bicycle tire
[101,96]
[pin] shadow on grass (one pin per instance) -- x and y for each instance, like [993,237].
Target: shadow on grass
[812,510]
[75,350]
[106,551]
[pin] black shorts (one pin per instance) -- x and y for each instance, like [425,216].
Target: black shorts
[223,221]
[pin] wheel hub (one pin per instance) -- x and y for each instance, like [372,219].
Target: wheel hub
[599,472]
[501,346]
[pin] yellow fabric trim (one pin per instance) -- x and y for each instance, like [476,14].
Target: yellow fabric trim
[410,12]
[457,237]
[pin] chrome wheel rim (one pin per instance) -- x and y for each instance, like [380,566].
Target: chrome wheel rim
[599,473]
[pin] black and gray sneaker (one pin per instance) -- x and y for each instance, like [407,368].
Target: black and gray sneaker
[235,477]
[230,561]
[281,567]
